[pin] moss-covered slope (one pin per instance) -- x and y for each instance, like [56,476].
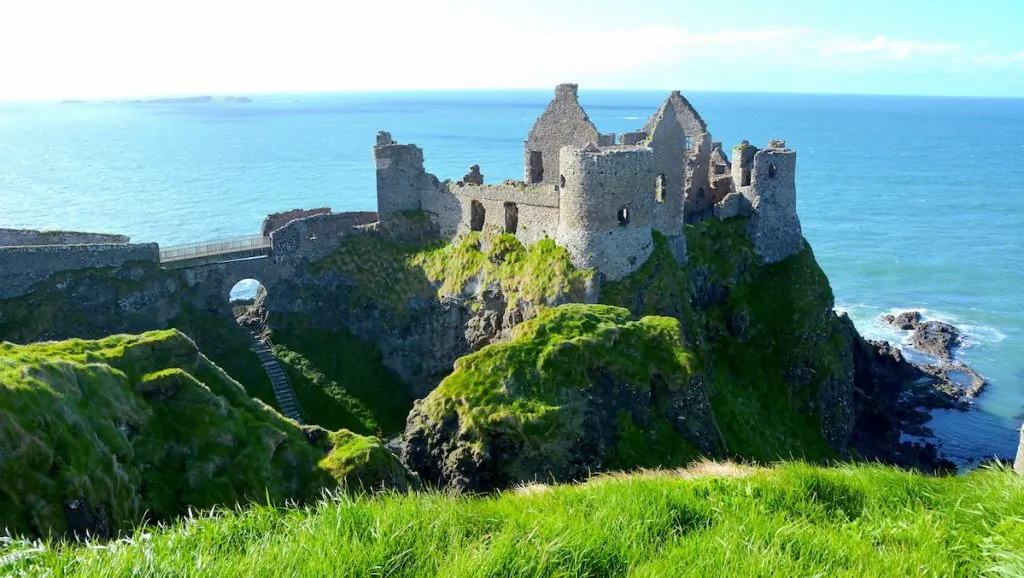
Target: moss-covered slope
[95,435]
[734,357]
[577,389]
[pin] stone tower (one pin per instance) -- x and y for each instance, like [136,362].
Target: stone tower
[400,176]
[774,226]
[609,205]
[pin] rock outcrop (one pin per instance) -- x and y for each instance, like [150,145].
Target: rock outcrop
[934,338]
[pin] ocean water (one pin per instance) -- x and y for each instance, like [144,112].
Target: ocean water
[908,202]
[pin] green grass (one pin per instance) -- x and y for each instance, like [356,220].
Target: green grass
[340,380]
[717,520]
[393,275]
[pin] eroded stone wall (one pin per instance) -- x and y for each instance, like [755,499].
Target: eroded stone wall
[23,237]
[528,212]
[23,267]
[314,237]
[275,221]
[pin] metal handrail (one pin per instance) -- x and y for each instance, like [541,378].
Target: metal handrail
[205,249]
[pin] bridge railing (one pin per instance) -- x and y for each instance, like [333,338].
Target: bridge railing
[253,243]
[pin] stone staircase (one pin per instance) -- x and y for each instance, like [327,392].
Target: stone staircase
[283,392]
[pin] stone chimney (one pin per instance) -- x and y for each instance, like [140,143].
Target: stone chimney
[567,91]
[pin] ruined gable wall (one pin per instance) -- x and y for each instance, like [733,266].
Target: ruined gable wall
[668,142]
[774,226]
[687,116]
[23,267]
[22,237]
[563,123]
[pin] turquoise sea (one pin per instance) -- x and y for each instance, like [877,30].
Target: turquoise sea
[908,202]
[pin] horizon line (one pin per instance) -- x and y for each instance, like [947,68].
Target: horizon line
[284,92]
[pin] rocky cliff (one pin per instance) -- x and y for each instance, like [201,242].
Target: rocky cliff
[385,317]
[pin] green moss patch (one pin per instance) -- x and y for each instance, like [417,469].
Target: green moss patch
[94,435]
[393,275]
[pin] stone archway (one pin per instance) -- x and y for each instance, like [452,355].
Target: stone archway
[246,300]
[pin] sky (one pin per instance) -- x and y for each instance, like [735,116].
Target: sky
[55,49]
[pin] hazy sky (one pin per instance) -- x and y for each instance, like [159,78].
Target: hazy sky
[91,48]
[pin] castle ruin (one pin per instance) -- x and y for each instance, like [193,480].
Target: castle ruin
[599,199]
[602,200]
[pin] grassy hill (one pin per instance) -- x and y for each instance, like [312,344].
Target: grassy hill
[709,520]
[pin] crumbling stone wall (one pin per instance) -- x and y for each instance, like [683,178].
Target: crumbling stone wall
[23,267]
[774,226]
[698,185]
[313,238]
[401,179]
[23,237]
[563,123]
[275,221]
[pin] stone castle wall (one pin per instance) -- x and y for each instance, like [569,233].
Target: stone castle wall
[313,238]
[23,267]
[23,237]
[275,221]
[528,212]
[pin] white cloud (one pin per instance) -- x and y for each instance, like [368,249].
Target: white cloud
[888,48]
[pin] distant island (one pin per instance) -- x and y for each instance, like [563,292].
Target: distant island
[172,100]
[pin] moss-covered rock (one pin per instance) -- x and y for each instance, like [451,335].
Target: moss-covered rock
[365,463]
[578,389]
[766,365]
[95,436]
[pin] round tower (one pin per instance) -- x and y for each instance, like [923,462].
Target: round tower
[607,207]
[774,226]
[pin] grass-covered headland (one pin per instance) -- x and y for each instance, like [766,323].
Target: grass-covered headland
[713,520]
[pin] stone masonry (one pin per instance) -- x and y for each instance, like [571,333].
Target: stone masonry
[601,200]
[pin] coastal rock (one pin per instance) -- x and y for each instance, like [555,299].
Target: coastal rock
[935,338]
[905,321]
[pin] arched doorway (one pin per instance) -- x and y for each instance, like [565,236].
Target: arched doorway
[246,299]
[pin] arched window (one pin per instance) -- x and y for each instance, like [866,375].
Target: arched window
[561,181]
[659,188]
[623,215]
[476,216]
[772,170]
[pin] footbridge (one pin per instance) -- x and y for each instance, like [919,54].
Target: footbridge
[211,252]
